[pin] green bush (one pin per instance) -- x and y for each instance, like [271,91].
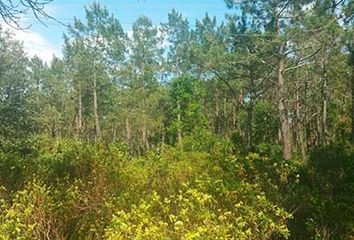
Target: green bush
[31,215]
[330,186]
[98,191]
[203,209]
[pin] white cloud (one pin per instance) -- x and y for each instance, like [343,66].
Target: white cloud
[34,43]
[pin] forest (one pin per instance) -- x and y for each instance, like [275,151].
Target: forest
[234,129]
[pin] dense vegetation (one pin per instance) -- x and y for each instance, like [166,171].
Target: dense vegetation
[235,130]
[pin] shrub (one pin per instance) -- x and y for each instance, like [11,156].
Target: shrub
[329,183]
[204,209]
[31,215]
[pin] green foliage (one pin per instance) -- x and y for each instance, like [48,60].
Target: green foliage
[73,197]
[17,162]
[186,108]
[31,215]
[204,209]
[329,179]
[15,118]
[97,191]
[91,191]
[266,123]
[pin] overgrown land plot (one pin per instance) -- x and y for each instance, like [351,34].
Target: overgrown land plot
[234,128]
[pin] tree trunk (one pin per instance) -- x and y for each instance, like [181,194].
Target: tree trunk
[250,109]
[307,123]
[281,94]
[236,110]
[224,124]
[352,93]
[128,135]
[146,145]
[299,125]
[217,115]
[249,127]
[143,138]
[352,114]
[79,115]
[324,90]
[179,130]
[95,104]
[318,127]
[283,114]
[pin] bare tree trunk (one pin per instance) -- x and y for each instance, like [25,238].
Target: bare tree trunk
[249,129]
[236,110]
[250,109]
[299,125]
[224,124]
[128,134]
[234,117]
[352,88]
[281,94]
[146,145]
[318,127]
[306,120]
[283,114]
[95,104]
[217,115]
[324,89]
[79,115]
[352,93]
[144,136]
[179,122]
[179,130]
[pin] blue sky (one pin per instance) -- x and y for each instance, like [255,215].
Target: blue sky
[45,41]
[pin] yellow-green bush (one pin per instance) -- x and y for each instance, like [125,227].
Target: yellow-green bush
[84,191]
[204,209]
[31,215]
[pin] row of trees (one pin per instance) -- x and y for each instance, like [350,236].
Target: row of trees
[276,72]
